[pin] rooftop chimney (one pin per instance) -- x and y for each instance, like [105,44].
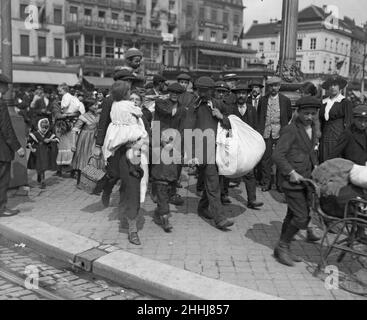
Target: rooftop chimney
[255,22]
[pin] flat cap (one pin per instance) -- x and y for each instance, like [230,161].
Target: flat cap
[124,75]
[184,76]
[360,111]
[230,76]
[335,79]
[221,85]
[176,88]
[133,52]
[158,78]
[308,102]
[241,87]
[4,79]
[205,82]
[274,80]
[256,84]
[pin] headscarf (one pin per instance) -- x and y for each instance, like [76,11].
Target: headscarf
[39,125]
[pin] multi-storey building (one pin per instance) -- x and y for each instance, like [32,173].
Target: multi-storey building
[323,45]
[39,43]
[210,34]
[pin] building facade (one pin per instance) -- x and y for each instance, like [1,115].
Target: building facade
[210,35]
[323,45]
[38,39]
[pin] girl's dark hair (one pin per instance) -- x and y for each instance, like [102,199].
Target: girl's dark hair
[309,88]
[120,91]
[88,103]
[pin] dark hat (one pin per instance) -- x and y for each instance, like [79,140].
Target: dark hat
[89,102]
[184,76]
[308,102]
[133,52]
[360,111]
[230,76]
[205,82]
[274,80]
[335,79]
[4,79]
[124,75]
[158,78]
[241,87]
[221,85]
[176,88]
[256,84]
[149,85]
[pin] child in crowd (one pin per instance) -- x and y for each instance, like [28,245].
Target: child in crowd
[84,136]
[43,145]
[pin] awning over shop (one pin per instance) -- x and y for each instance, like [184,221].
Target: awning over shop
[44,77]
[221,53]
[100,82]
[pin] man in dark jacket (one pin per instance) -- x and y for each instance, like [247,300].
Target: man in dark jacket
[9,144]
[274,113]
[247,113]
[203,117]
[352,144]
[295,156]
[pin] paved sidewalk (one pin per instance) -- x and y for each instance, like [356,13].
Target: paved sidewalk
[242,256]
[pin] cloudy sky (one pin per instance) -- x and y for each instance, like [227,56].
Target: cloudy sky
[264,10]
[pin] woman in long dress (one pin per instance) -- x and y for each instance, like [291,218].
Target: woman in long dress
[66,116]
[335,116]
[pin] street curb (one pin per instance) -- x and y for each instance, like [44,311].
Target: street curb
[150,276]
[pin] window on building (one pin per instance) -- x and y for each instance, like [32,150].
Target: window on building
[213,36]
[190,9]
[171,57]
[101,16]
[88,15]
[110,48]
[127,20]
[202,13]
[98,46]
[331,44]
[299,44]
[201,35]
[225,37]
[57,16]
[139,23]
[24,45]
[225,17]
[235,40]
[249,46]
[23,15]
[272,46]
[88,49]
[299,64]
[337,46]
[312,65]
[73,47]
[313,44]
[58,48]
[347,48]
[73,15]
[115,18]
[214,15]
[261,46]
[326,42]
[41,47]
[236,19]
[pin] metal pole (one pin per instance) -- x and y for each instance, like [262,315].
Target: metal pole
[6,46]
[364,65]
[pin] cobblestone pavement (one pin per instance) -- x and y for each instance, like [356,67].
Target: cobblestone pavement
[55,278]
[242,256]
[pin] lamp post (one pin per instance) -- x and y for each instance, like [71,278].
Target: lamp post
[364,63]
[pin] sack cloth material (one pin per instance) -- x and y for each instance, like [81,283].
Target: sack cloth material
[358,176]
[239,150]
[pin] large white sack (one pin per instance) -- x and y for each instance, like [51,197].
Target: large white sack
[238,150]
[358,176]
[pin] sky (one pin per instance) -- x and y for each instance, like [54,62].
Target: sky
[264,10]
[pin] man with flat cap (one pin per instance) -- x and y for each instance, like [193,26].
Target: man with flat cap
[9,145]
[254,97]
[168,118]
[274,113]
[352,143]
[244,110]
[295,156]
[186,98]
[202,118]
[231,80]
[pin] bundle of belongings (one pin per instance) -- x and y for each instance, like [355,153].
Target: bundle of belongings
[340,181]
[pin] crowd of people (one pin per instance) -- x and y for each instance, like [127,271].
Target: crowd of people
[115,127]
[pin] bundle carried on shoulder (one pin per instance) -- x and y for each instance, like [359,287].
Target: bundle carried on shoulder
[358,176]
[239,150]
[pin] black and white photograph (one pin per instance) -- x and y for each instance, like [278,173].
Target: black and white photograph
[183,150]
